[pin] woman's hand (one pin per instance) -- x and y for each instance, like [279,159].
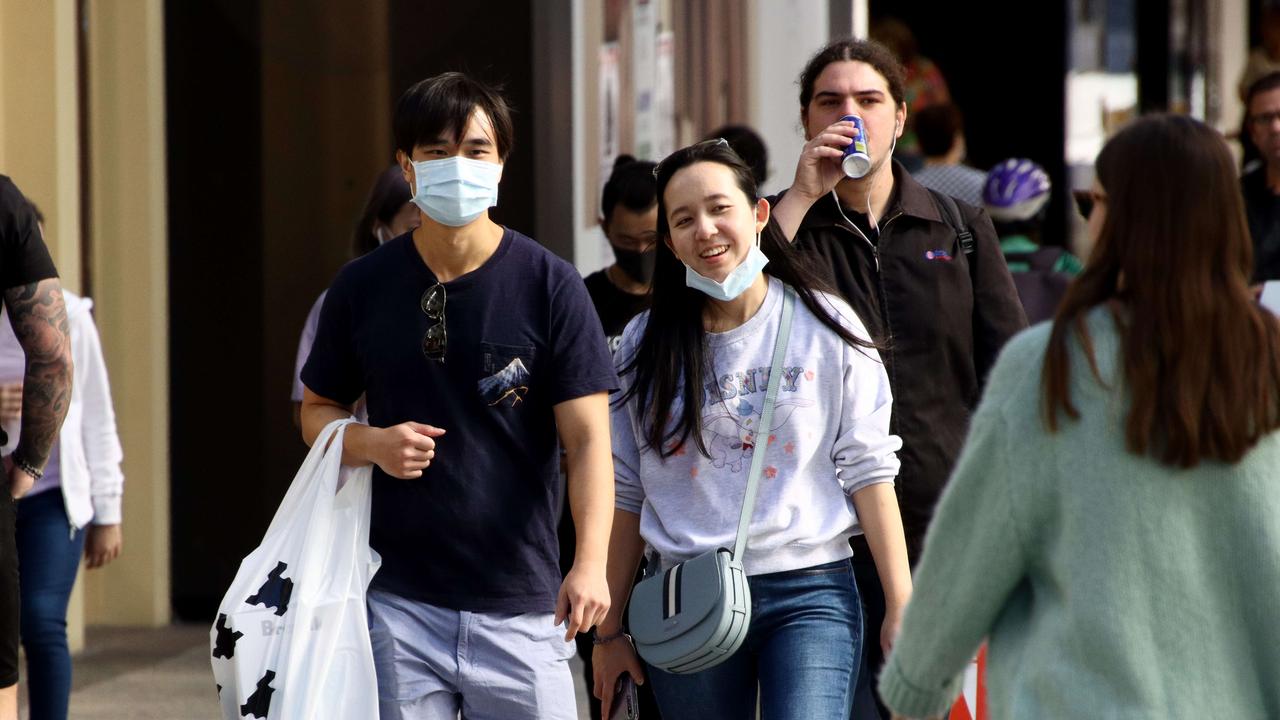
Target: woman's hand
[103,545]
[609,661]
[890,627]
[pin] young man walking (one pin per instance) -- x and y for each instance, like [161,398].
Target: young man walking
[942,307]
[474,348]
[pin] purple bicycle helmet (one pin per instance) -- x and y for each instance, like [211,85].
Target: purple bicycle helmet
[1016,189]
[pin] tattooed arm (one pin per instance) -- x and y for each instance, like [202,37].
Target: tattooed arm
[39,320]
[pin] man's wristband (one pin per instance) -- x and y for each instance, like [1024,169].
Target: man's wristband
[26,467]
[598,639]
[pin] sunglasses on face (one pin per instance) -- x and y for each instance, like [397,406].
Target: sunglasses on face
[1264,120]
[435,341]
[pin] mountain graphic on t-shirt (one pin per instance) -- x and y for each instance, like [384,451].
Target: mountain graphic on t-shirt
[511,383]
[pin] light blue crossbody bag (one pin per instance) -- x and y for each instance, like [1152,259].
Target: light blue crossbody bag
[695,615]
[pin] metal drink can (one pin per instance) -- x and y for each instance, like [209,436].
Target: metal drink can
[856,161]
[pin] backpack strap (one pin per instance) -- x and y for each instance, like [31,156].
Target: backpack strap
[952,215]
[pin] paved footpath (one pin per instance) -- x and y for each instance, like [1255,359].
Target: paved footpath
[160,674]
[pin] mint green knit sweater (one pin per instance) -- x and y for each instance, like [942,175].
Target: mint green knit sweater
[1107,584]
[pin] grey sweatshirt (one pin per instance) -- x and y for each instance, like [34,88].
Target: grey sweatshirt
[829,438]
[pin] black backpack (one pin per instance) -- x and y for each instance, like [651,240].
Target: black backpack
[1039,288]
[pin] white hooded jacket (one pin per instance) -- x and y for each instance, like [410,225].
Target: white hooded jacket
[91,480]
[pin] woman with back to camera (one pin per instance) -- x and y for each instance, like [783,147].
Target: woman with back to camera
[683,450]
[1113,525]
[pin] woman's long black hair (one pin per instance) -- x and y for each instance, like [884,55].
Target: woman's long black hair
[673,345]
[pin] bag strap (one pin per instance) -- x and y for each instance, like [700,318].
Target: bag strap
[951,213]
[766,419]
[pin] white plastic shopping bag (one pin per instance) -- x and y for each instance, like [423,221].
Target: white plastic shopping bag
[291,639]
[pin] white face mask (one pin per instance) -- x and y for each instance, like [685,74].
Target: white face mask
[735,283]
[455,191]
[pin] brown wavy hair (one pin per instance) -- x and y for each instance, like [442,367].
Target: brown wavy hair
[1200,357]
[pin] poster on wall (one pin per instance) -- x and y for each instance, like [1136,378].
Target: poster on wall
[644,25]
[609,108]
[664,92]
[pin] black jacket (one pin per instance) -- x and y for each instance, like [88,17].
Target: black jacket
[941,323]
[1262,208]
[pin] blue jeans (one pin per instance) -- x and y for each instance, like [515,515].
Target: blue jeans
[48,558]
[801,652]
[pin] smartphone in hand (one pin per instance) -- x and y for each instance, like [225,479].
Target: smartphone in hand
[626,702]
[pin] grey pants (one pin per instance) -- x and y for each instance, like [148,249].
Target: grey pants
[433,663]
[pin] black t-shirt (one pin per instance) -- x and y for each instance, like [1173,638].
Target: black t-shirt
[477,531]
[614,306]
[24,258]
[1263,210]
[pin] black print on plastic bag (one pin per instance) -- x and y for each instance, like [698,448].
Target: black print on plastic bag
[225,645]
[259,703]
[275,591]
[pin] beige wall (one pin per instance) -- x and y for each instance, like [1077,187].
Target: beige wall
[39,142]
[129,241]
[40,148]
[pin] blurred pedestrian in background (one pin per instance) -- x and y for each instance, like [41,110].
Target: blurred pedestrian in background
[1261,185]
[940,130]
[388,213]
[1016,196]
[629,205]
[73,511]
[629,220]
[923,84]
[38,317]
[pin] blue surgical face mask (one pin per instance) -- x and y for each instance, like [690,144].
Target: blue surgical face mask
[735,283]
[455,191]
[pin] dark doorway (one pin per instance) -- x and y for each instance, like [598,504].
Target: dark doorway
[1005,63]
[219,503]
[274,135]
[495,46]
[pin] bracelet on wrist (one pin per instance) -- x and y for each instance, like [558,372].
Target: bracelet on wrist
[26,467]
[598,639]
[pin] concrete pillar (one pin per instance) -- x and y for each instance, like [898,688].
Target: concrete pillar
[1228,52]
[39,128]
[129,239]
[40,145]
[782,36]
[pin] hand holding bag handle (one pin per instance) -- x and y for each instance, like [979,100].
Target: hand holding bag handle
[695,615]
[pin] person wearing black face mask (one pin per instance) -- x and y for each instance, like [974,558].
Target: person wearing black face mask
[629,209]
[630,220]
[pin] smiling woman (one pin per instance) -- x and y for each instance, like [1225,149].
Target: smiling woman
[689,422]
